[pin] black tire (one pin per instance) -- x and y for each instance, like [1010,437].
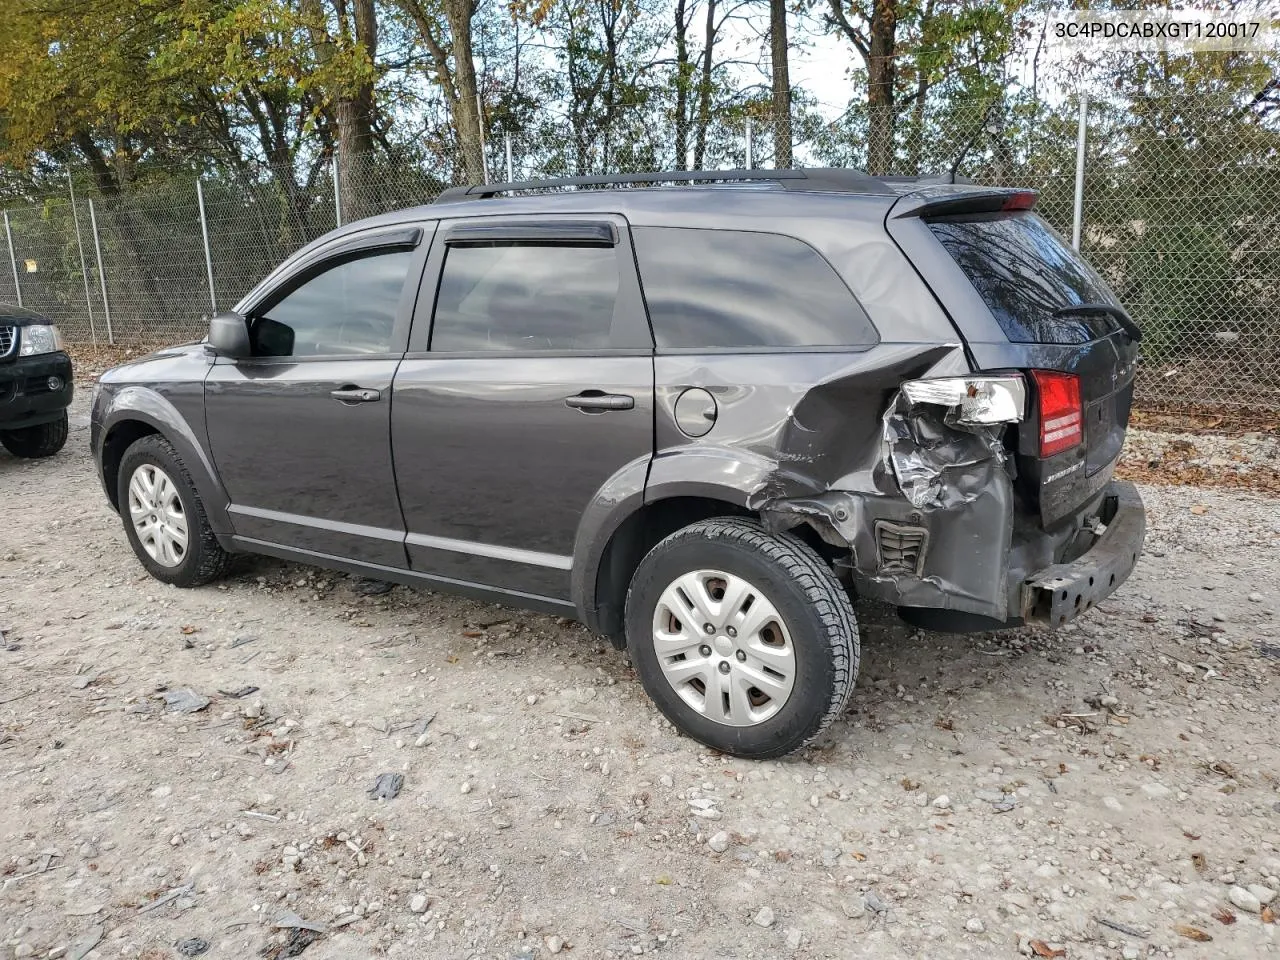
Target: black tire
[204,559]
[33,443]
[807,596]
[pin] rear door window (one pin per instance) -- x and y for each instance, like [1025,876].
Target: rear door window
[509,296]
[1025,273]
[734,289]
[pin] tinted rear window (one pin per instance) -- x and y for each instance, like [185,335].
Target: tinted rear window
[727,289]
[1025,272]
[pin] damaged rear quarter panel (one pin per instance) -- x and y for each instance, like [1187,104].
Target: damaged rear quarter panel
[825,439]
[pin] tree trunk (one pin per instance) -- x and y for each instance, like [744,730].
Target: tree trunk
[683,71]
[778,55]
[704,88]
[466,114]
[880,79]
[355,125]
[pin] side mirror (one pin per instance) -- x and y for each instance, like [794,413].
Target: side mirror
[229,336]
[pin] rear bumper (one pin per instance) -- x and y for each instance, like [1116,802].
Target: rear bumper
[25,397]
[1063,591]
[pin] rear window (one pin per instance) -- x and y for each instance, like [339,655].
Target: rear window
[1025,272]
[733,289]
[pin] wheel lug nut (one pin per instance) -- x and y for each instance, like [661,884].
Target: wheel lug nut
[704,650]
[731,631]
[724,666]
[742,657]
[708,628]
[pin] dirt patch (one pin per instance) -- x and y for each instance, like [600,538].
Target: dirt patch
[1094,791]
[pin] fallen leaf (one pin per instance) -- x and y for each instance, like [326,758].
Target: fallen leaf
[1191,836]
[452,658]
[188,629]
[782,856]
[1268,915]
[908,784]
[944,723]
[1198,510]
[1042,949]
[1192,933]
[472,633]
[1224,916]
[1198,861]
[663,879]
[1062,768]
[859,856]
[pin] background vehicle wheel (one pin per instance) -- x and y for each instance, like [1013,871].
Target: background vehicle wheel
[32,443]
[745,640]
[164,518]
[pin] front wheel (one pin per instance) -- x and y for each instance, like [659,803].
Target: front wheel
[34,443]
[744,639]
[164,518]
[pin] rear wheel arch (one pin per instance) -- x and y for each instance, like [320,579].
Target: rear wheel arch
[633,538]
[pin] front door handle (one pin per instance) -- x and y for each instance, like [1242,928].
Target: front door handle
[354,394]
[597,401]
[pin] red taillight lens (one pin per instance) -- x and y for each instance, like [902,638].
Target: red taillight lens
[1061,415]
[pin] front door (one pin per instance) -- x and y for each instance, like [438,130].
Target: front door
[531,388]
[300,432]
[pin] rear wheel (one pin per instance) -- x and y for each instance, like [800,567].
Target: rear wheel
[164,518]
[33,443]
[744,639]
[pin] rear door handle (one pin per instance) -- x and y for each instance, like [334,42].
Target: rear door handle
[598,401]
[354,394]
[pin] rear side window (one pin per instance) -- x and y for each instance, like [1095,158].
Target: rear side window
[727,289]
[1025,272]
[526,296]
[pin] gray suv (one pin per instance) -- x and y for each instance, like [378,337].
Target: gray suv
[698,417]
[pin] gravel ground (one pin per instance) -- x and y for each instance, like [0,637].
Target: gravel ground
[1109,790]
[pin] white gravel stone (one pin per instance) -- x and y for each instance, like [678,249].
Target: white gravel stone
[1244,899]
[1264,894]
[974,925]
[719,841]
[764,917]
[418,904]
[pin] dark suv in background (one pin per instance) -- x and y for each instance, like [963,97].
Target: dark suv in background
[35,384]
[698,418]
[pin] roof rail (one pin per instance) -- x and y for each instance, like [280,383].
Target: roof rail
[821,179]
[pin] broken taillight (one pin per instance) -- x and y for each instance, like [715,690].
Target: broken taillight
[1061,413]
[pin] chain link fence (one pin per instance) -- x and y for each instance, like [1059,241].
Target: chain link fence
[1180,210]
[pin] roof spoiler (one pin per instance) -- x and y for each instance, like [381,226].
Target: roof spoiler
[940,203]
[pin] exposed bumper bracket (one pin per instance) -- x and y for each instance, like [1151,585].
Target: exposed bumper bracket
[1063,591]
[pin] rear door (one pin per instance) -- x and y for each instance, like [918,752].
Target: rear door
[1023,299]
[527,390]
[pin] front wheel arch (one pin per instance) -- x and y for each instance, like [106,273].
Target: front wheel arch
[120,438]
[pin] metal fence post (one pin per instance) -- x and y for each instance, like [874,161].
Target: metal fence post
[84,269]
[13,259]
[102,274]
[208,256]
[337,194]
[1077,210]
[748,139]
[511,177]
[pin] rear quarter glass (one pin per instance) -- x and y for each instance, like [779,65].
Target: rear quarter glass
[739,289]
[1024,272]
